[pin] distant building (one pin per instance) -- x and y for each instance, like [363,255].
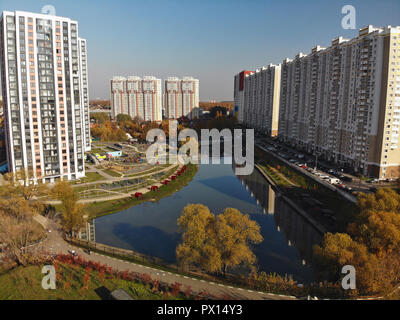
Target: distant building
[238,94]
[181,97]
[137,97]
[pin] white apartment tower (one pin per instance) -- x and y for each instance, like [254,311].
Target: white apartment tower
[45,95]
[181,97]
[137,97]
[238,94]
[260,101]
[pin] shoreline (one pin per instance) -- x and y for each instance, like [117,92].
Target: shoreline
[114,206]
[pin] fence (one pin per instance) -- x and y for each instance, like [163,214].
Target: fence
[123,253]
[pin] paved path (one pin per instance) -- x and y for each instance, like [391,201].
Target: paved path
[55,244]
[119,195]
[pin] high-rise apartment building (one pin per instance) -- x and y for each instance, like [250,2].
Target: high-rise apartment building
[343,102]
[181,97]
[261,99]
[45,95]
[238,94]
[137,97]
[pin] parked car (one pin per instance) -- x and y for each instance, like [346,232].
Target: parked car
[73,252]
[347,179]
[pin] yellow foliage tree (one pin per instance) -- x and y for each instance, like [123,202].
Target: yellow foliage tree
[72,211]
[216,243]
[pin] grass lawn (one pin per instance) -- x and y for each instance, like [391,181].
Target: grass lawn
[97,209]
[90,177]
[24,283]
[112,173]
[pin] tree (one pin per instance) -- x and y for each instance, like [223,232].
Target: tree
[99,117]
[338,250]
[123,118]
[21,183]
[377,224]
[216,243]
[108,131]
[17,226]
[72,211]
[234,232]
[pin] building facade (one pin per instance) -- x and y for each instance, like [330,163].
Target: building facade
[341,102]
[181,97]
[261,99]
[238,94]
[137,97]
[45,95]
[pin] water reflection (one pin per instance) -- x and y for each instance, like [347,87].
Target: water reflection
[151,228]
[298,232]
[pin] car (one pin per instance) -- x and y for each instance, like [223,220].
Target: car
[73,252]
[347,179]
[373,189]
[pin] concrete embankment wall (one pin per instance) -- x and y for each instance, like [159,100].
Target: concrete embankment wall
[309,175]
[321,229]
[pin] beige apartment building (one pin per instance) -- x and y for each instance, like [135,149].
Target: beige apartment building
[181,97]
[137,97]
[343,102]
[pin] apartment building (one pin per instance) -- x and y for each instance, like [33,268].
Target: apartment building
[343,102]
[181,97]
[137,97]
[260,102]
[45,95]
[238,94]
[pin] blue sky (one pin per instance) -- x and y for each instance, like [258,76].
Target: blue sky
[210,40]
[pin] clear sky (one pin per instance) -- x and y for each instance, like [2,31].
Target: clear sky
[209,40]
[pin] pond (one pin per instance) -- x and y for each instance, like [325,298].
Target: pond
[151,228]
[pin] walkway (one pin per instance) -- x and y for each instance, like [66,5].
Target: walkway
[55,244]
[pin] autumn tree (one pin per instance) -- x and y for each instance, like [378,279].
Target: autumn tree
[72,211]
[338,250]
[99,117]
[216,243]
[123,118]
[18,229]
[377,224]
[234,233]
[372,245]
[22,183]
[108,131]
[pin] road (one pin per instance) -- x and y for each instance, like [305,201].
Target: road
[55,244]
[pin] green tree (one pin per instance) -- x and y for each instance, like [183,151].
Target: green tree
[216,243]
[123,118]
